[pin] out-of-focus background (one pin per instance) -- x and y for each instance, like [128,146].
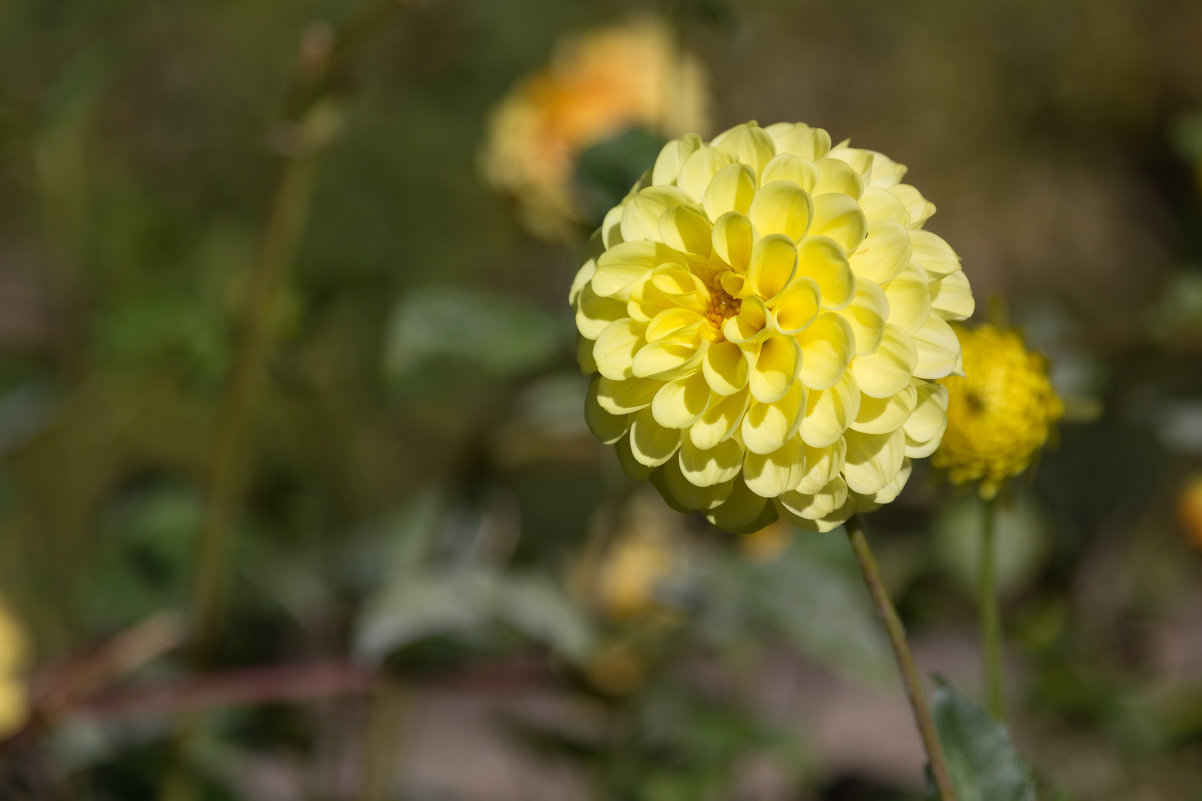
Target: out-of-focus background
[296,496]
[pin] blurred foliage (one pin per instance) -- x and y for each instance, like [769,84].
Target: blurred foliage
[421,489]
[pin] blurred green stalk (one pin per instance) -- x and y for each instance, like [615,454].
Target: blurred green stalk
[905,659]
[990,615]
[309,124]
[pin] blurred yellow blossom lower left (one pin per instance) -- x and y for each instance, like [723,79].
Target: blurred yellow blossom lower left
[597,85]
[14,702]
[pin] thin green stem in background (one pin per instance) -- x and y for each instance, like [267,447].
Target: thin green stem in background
[987,601]
[905,659]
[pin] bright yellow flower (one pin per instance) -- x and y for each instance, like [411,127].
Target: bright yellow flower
[14,699]
[999,412]
[598,85]
[766,318]
[1189,509]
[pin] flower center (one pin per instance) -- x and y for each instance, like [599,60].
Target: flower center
[722,307]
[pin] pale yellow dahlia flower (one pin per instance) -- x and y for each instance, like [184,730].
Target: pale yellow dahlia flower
[766,318]
[999,412]
[598,85]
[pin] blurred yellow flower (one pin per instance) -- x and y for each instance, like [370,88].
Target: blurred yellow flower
[1189,510]
[597,85]
[14,699]
[999,412]
[623,567]
[766,317]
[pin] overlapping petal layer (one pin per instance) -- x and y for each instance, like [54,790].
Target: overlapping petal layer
[767,318]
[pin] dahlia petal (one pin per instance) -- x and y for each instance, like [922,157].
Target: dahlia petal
[952,296]
[679,403]
[750,324]
[685,496]
[825,261]
[712,466]
[641,212]
[616,346]
[769,475]
[781,207]
[767,426]
[872,460]
[611,227]
[733,237]
[650,443]
[839,217]
[791,168]
[797,306]
[881,204]
[933,253]
[607,427]
[584,355]
[909,299]
[672,157]
[823,465]
[888,369]
[938,349]
[701,167]
[686,229]
[777,366]
[773,261]
[886,172]
[620,267]
[624,397]
[726,367]
[734,284]
[827,347]
[630,466]
[800,139]
[859,160]
[882,415]
[884,253]
[585,274]
[743,512]
[719,421]
[750,143]
[594,313]
[918,207]
[668,358]
[835,175]
[813,507]
[672,322]
[925,425]
[732,189]
[684,288]
[866,315]
[829,412]
[889,492]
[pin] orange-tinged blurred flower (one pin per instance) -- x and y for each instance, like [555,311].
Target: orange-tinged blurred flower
[1189,510]
[999,413]
[597,85]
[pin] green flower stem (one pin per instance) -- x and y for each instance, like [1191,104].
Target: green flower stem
[987,601]
[905,659]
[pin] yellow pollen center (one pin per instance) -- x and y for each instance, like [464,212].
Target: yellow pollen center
[722,307]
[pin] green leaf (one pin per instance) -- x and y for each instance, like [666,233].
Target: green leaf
[606,171]
[499,336]
[981,758]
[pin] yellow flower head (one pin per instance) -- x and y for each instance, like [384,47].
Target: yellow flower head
[999,412]
[598,85]
[766,318]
